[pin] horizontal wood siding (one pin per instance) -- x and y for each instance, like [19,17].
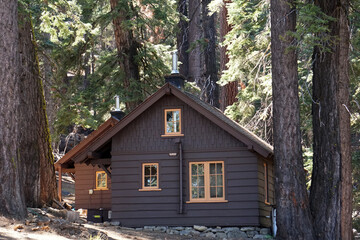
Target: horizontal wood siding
[85,180]
[265,209]
[136,208]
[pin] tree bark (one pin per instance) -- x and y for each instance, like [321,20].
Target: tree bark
[183,38]
[12,201]
[35,151]
[331,189]
[195,35]
[210,71]
[127,48]
[228,92]
[293,215]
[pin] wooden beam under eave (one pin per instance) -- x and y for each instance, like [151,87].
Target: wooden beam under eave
[93,155]
[104,161]
[68,170]
[105,169]
[59,182]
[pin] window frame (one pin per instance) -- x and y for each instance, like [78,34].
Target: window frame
[96,181]
[146,188]
[167,134]
[207,186]
[266,184]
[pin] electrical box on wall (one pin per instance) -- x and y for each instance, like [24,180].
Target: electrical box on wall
[91,191]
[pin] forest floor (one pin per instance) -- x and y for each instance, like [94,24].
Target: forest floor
[50,224]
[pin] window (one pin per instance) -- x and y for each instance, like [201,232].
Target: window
[150,177]
[101,180]
[172,122]
[266,181]
[207,182]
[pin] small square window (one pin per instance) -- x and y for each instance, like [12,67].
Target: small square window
[172,122]
[101,180]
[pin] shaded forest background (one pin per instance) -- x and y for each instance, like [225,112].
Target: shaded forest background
[88,51]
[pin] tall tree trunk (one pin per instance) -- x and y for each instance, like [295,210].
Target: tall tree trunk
[183,38]
[228,92]
[195,35]
[210,71]
[35,151]
[11,184]
[293,215]
[331,187]
[127,48]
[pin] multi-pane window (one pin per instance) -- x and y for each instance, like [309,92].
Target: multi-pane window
[172,121]
[101,180]
[150,176]
[207,181]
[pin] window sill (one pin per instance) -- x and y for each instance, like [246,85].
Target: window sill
[101,189]
[208,201]
[172,135]
[149,189]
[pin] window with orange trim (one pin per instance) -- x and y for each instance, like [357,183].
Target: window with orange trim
[172,122]
[150,176]
[101,180]
[207,181]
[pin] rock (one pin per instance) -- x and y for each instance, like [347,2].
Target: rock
[231,229]
[265,231]
[139,229]
[251,234]
[189,228]
[216,230]
[258,236]
[221,235]
[160,229]
[149,228]
[194,232]
[106,224]
[236,234]
[115,223]
[36,211]
[185,232]
[210,235]
[245,229]
[178,228]
[172,232]
[200,228]
[72,216]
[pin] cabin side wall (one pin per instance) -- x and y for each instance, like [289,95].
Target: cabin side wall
[85,181]
[141,142]
[265,208]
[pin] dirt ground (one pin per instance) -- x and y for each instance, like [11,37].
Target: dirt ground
[43,224]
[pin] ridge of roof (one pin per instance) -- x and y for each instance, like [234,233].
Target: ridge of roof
[241,133]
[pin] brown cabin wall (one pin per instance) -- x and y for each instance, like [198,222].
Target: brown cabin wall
[141,142]
[144,133]
[85,180]
[265,209]
[136,208]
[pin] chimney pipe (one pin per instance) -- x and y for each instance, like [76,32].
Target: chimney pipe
[117,103]
[117,113]
[174,62]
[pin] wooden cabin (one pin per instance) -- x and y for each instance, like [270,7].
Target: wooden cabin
[174,161]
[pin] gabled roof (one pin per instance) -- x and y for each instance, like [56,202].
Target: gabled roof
[252,141]
[87,141]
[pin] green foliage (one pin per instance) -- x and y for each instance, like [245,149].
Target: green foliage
[78,37]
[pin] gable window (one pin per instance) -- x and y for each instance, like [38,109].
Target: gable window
[101,180]
[266,183]
[172,122]
[150,177]
[207,181]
